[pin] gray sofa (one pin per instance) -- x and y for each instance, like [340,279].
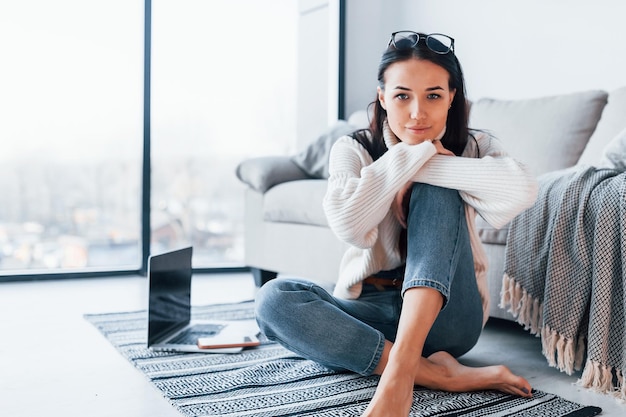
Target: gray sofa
[285,228]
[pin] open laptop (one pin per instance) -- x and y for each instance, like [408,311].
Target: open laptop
[170,327]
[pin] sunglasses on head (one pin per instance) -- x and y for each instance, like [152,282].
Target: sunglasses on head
[436,42]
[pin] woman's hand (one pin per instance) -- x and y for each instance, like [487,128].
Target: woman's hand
[441,150]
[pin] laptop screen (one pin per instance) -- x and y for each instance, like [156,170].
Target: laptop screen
[169,305]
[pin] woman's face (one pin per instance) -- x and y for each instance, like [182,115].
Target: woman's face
[417,98]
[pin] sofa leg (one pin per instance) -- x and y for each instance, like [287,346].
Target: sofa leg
[261,276]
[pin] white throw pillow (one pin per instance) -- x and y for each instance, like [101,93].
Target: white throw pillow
[614,154]
[612,122]
[547,133]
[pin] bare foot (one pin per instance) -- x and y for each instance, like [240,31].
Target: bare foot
[441,371]
[394,394]
[464,378]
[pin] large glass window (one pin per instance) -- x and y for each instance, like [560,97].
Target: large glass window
[71,105]
[223,89]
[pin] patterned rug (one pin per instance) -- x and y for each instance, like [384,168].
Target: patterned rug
[271,381]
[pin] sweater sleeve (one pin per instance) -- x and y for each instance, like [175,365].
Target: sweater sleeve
[496,185]
[360,192]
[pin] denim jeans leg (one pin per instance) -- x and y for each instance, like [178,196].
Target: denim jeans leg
[340,334]
[439,256]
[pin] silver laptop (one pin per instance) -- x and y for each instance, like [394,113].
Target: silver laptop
[170,327]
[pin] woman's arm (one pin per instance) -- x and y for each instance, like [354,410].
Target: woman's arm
[360,191]
[496,185]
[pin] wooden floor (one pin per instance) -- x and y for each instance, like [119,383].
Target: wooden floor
[54,363]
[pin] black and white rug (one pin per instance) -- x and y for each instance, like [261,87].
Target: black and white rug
[271,381]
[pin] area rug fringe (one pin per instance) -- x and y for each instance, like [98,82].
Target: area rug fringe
[561,352]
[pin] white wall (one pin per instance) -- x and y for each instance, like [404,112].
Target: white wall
[318,60]
[508,49]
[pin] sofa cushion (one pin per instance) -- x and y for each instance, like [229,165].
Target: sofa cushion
[314,159]
[612,122]
[614,154]
[263,173]
[489,234]
[296,202]
[546,134]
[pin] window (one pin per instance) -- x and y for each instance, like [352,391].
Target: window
[223,89]
[71,106]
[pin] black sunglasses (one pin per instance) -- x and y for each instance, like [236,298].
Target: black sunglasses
[436,42]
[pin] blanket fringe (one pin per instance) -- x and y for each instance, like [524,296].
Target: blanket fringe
[561,352]
[526,310]
[599,378]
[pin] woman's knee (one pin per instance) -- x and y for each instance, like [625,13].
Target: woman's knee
[275,301]
[269,297]
[429,188]
[431,195]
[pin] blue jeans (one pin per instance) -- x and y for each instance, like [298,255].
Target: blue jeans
[350,334]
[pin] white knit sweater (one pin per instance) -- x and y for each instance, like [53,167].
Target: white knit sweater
[360,192]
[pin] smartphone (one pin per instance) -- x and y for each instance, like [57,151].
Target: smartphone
[229,341]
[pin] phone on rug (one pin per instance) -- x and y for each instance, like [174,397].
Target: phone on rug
[218,342]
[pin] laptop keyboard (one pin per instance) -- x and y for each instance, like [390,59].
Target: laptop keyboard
[190,336]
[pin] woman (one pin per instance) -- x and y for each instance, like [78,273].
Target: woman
[411,293]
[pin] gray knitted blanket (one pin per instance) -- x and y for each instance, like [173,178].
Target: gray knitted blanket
[565,277]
